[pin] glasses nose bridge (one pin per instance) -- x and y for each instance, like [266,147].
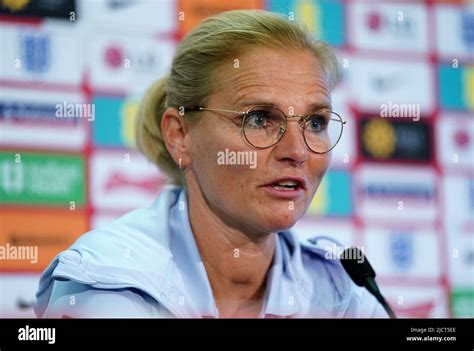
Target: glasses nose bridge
[299,118]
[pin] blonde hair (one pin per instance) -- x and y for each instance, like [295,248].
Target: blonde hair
[196,60]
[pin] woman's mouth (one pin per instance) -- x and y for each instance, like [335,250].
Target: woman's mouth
[287,188]
[286,185]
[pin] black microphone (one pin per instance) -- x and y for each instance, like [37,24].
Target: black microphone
[361,272]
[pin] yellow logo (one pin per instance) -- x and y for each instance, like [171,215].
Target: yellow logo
[128,115]
[319,203]
[468,77]
[379,138]
[310,14]
[15,5]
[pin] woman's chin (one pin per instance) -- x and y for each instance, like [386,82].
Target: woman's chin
[280,221]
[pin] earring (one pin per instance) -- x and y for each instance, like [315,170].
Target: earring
[181,164]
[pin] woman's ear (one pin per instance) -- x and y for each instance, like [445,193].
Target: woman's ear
[175,131]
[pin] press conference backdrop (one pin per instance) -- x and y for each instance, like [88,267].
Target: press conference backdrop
[401,184]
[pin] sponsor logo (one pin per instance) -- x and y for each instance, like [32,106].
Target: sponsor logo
[28,120]
[377,21]
[128,63]
[386,83]
[468,83]
[115,122]
[24,304]
[127,118]
[467,29]
[395,139]
[14,5]
[387,191]
[333,197]
[29,178]
[116,174]
[120,180]
[396,193]
[455,87]
[455,141]
[401,250]
[135,15]
[455,31]
[378,138]
[400,27]
[396,251]
[48,232]
[374,83]
[461,139]
[323,18]
[387,26]
[18,111]
[462,302]
[35,52]
[39,8]
[114,57]
[139,60]
[192,12]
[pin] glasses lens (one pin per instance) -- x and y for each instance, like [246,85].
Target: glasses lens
[323,130]
[264,125]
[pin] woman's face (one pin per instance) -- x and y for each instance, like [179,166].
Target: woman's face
[291,80]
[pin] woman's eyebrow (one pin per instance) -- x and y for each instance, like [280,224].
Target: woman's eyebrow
[311,108]
[319,105]
[249,103]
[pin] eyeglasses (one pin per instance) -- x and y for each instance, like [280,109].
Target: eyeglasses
[264,125]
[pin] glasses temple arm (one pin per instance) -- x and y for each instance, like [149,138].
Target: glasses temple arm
[217,110]
[343,121]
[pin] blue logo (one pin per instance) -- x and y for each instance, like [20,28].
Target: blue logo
[418,192]
[35,52]
[19,111]
[401,250]
[467,24]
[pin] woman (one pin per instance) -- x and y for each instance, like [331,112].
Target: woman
[216,243]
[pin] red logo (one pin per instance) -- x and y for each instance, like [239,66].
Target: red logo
[149,184]
[374,21]
[461,137]
[113,57]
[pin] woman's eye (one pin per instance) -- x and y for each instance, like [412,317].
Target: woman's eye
[257,120]
[317,123]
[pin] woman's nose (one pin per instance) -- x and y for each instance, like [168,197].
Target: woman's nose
[292,145]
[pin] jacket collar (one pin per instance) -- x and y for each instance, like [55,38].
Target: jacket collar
[280,299]
[163,261]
